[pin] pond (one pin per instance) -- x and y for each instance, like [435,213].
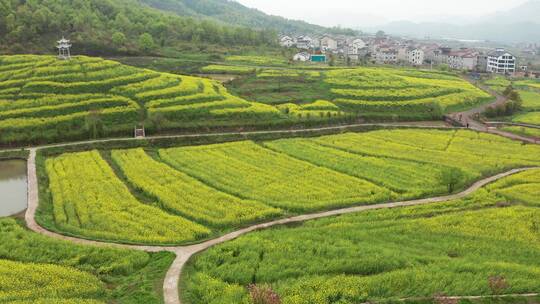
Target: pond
[12,187]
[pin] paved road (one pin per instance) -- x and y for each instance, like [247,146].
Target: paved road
[413,124]
[183,253]
[468,118]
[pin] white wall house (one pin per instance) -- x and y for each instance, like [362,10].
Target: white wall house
[463,60]
[286,41]
[385,56]
[415,56]
[329,44]
[358,44]
[410,55]
[302,57]
[356,49]
[304,42]
[501,62]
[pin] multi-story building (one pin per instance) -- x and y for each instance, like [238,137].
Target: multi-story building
[304,42]
[501,62]
[286,41]
[415,56]
[463,59]
[410,55]
[386,55]
[329,44]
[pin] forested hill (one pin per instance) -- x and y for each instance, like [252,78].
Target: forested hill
[107,26]
[234,13]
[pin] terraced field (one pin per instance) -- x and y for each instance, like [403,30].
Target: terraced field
[38,269]
[46,99]
[368,92]
[43,99]
[184,194]
[485,244]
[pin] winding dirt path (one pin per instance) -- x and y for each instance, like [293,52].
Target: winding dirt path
[184,253]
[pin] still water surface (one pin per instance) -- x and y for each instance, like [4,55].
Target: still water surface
[12,187]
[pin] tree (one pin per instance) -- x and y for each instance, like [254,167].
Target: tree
[118,39]
[451,178]
[380,34]
[146,42]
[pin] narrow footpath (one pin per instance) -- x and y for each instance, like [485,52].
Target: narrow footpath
[469,118]
[171,290]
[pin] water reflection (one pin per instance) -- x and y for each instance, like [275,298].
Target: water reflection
[12,187]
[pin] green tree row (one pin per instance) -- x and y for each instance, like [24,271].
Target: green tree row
[107,25]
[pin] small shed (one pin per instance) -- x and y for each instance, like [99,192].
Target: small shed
[318,58]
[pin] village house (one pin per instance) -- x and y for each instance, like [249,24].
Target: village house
[286,41]
[463,59]
[304,42]
[386,56]
[411,55]
[303,56]
[501,62]
[481,63]
[328,44]
[415,56]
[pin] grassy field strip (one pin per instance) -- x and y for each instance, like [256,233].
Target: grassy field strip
[250,171]
[103,207]
[36,268]
[187,196]
[184,253]
[389,265]
[406,178]
[372,93]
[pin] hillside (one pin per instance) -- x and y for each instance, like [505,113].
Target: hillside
[113,26]
[46,99]
[234,13]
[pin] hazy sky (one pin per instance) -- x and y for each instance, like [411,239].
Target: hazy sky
[362,13]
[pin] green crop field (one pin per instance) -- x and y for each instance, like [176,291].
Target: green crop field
[532,118]
[368,92]
[184,194]
[498,83]
[531,108]
[38,269]
[46,99]
[487,243]
[531,100]
[43,99]
[530,132]
[531,84]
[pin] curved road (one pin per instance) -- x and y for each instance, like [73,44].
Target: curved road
[183,253]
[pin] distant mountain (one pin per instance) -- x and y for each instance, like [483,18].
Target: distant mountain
[520,24]
[234,13]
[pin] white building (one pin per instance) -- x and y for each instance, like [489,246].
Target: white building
[463,59]
[329,44]
[356,49]
[302,57]
[358,44]
[286,41]
[304,42]
[411,55]
[501,62]
[415,56]
[385,56]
